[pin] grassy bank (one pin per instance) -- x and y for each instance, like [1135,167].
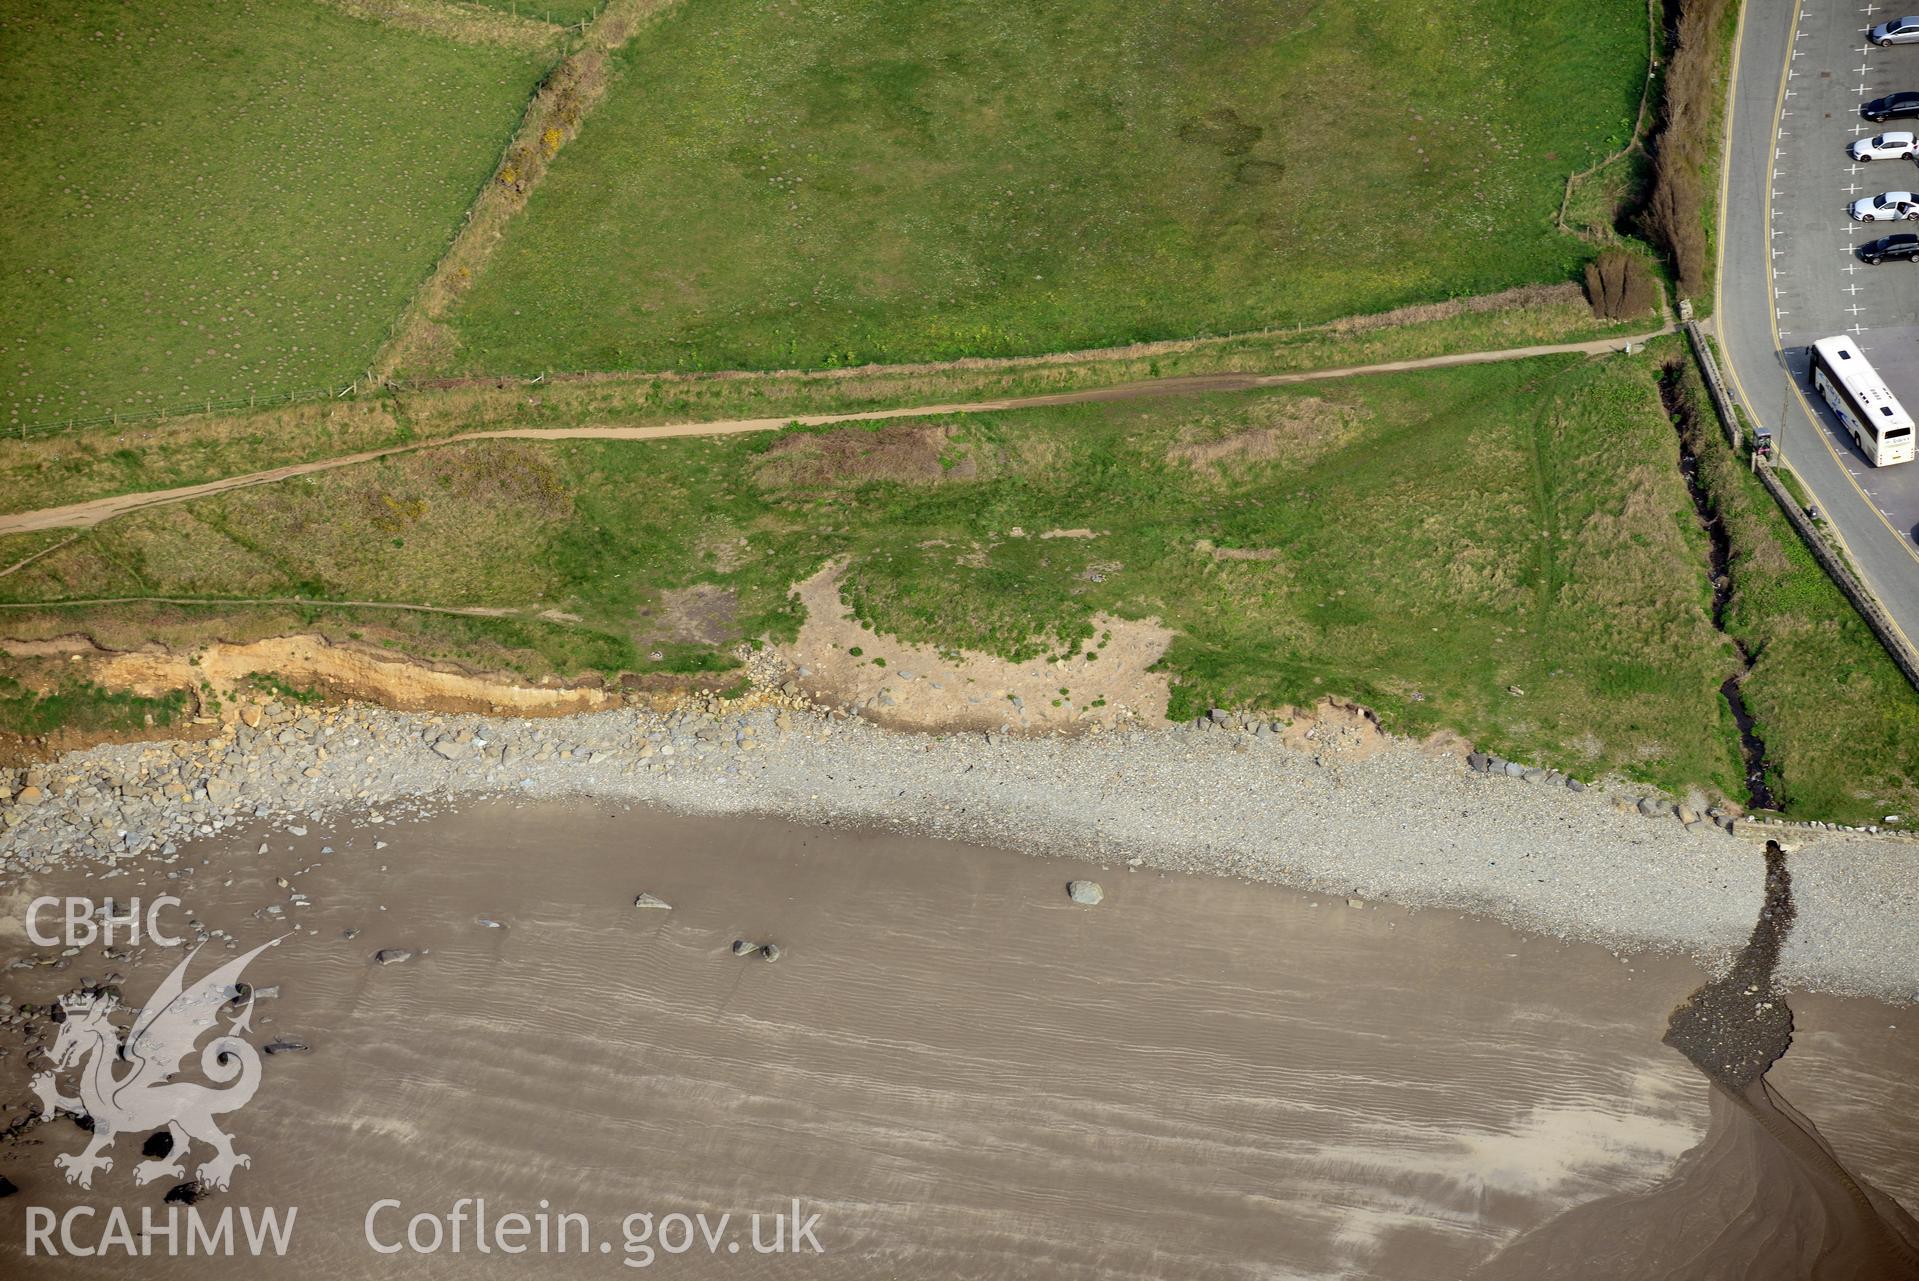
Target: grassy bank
[1501,550]
[879,180]
[207,201]
[76,707]
[53,470]
[1840,723]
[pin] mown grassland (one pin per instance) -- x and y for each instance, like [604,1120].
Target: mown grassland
[1839,721]
[1426,543]
[206,201]
[778,185]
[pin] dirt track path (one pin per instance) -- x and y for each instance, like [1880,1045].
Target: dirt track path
[93,511]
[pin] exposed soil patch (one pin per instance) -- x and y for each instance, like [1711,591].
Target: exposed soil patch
[453,20]
[347,670]
[853,455]
[907,686]
[1235,553]
[1335,727]
[703,614]
[1297,430]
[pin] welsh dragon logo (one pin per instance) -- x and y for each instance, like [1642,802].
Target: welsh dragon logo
[144,1097]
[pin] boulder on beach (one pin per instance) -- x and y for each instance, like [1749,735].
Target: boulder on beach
[1087,892]
[394,955]
[652,901]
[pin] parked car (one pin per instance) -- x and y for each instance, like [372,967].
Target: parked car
[1903,247]
[1885,207]
[1897,145]
[1897,31]
[1894,106]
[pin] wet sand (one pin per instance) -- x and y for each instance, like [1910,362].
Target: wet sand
[963,1073]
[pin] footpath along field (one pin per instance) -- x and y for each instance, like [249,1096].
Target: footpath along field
[207,201]
[776,185]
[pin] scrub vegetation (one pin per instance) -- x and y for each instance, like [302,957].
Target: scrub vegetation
[1680,211]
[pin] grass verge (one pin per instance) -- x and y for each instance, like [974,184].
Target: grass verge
[1840,724]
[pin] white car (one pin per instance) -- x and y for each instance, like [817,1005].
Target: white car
[1887,146]
[1887,207]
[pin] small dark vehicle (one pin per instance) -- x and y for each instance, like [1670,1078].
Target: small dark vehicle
[1894,106]
[1903,247]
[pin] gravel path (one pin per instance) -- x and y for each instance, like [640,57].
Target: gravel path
[1404,823]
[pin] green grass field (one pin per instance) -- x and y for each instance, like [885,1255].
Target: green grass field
[884,180]
[1840,723]
[214,200]
[1421,542]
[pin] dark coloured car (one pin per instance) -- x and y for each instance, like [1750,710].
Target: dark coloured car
[1904,247]
[1894,106]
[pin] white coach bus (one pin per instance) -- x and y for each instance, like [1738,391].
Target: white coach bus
[1879,424]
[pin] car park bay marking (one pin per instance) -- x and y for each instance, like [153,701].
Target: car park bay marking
[1772,272]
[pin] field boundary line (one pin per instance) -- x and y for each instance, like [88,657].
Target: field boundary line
[566,95]
[465,611]
[1514,299]
[1639,131]
[94,511]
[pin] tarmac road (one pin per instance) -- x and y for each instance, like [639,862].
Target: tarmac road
[1790,274]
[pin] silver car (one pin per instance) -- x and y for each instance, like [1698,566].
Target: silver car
[1897,31]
